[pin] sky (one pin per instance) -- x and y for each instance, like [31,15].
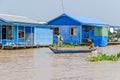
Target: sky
[44,10]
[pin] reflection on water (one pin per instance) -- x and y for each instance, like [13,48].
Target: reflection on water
[42,64]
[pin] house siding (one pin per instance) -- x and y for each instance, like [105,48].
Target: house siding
[67,37]
[43,36]
[64,20]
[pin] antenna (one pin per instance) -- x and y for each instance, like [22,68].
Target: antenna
[62,6]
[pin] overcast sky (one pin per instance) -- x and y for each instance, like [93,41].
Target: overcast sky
[44,10]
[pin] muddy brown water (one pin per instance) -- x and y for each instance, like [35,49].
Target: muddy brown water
[43,64]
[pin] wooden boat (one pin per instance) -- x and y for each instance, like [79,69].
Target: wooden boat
[70,51]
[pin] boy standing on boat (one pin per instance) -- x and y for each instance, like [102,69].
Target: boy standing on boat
[59,40]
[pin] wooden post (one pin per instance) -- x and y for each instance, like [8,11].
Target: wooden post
[17,36]
[1,33]
[31,38]
[24,38]
[80,34]
[1,36]
[35,35]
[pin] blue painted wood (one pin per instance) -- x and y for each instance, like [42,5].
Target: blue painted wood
[98,40]
[68,19]
[67,37]
[101,40]
[64,20]
[43,36]
[65,23]
[24,24]
[15,34]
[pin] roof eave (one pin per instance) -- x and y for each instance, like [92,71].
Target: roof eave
[95,24]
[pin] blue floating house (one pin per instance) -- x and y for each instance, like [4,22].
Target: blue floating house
[21,30]
[77,29]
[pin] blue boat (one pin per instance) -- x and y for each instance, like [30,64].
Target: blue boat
[56,51]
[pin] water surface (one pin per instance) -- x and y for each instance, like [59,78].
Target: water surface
[43,64]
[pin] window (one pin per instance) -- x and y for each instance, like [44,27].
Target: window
[9,33]
[21,34]
[56,30]
[100,31]
[3,31]
[73,31]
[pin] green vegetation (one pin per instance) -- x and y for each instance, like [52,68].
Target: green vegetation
[104,57]
[65,45]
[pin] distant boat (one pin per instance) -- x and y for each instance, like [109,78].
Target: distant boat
[56,51]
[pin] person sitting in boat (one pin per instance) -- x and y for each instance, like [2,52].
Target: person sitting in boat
[91,44]
[60,39]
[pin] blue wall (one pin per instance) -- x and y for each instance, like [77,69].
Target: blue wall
[43,36]
[98,40]
[101,40]
[15,36]
[65,23]
[15,39]
[64,20]
[67,37]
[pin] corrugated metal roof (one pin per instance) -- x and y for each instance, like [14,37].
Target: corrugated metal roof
[42,22]
[14,18]
[85,19]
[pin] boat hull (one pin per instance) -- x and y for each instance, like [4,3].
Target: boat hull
[56,51]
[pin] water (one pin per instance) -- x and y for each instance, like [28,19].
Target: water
[43,64]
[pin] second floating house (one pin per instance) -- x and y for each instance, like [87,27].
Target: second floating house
[19,30]
[77,29]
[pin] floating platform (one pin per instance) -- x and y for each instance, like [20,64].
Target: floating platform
[56,51]
[113,43]
[9,47]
